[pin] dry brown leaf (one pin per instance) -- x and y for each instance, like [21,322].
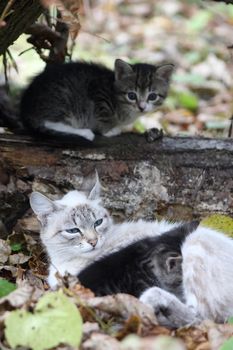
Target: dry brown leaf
[17,259]
[89,328]
[194,337]
[125,306]
[13,270]
[161,342]
[30,224]
[5,251]
[69,10]
[218,333]
[99,341]
[70,15]
[81,291]
[25,294]
[132,325]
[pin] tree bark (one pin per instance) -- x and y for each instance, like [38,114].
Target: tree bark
[23,14]
[177,178]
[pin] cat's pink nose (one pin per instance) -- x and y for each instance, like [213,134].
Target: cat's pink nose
[92,242]
[142,106]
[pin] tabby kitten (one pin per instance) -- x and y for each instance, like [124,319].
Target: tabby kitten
[78,99]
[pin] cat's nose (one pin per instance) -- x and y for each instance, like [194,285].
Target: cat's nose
[142,106]
[93,242]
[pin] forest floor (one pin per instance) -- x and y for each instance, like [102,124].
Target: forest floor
[118,322]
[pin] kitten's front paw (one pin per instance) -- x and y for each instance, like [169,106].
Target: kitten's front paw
[154,297]
[159,300]
[153,134]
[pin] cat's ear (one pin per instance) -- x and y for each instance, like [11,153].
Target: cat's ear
[173,263]
[41,205]
[165,71]
[122,69]
[92,187]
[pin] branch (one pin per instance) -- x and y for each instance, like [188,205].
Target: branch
[17,18]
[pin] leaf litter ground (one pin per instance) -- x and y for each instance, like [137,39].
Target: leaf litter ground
[33,316]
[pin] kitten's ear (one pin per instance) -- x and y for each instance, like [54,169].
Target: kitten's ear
[173,263]
[165,71]
[122,69]
[41,205]
[92,187]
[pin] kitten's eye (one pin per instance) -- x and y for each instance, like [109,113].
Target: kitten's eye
[132,96]
[152,96]
[98,222]
[73,230]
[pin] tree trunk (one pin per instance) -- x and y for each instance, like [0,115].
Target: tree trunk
[23,14]
[177,178]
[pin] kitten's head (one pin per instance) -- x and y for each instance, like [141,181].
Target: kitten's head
[143,87]
[73,225]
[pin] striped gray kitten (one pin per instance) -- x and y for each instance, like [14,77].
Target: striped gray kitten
[73,100]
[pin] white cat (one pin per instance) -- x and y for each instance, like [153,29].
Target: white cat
[76,230]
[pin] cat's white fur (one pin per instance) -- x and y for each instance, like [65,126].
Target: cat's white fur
[207,281]
[67,129]
[68,257]
[207,256]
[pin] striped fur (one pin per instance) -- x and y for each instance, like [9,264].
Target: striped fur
[83,99]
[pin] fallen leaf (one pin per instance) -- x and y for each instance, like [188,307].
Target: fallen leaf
[55,320]
[161,342]
[99,341]
[17,259]
[19,297]
[5,251]
[218,334]
[125,306]
[187,100]
[6,287]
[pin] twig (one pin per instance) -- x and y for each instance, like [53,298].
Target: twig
[5,71]
[12,60]
[231,127]
[5,11]
[24,51]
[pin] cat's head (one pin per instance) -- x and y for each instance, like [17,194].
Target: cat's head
[143,87]
[75,224]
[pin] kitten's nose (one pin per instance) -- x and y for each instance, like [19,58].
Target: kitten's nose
[142,106]
[93,242]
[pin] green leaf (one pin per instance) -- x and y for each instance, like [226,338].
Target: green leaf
[55,320]
[188,78]
[219,222]
[6,287]
[227,345]
[199,21]
[230,320]
[16,247]
[188,100]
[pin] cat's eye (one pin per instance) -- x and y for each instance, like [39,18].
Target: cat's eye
[98,222]
[73,230]
[132,96]
[152,96]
